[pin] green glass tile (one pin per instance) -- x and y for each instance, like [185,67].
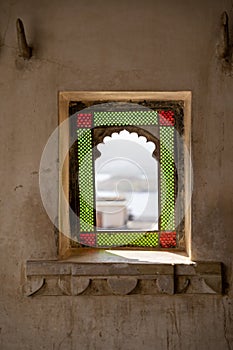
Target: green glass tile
[86,180]
[167,178]
[125,118]
[132,238]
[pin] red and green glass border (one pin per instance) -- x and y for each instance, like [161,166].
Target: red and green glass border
[165,237]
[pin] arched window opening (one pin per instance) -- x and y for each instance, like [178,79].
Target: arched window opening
[126,183]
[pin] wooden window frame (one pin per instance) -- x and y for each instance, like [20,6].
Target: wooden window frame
[65,98]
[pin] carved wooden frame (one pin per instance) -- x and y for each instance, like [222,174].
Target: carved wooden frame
[65,98]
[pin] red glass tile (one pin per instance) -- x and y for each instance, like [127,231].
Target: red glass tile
[166,118]
[168,239]
[88,239]
[84,120]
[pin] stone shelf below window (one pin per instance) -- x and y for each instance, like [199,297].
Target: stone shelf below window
[122,272]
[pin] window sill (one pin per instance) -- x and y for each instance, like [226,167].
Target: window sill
[122,272]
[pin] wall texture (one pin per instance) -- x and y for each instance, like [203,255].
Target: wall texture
[112,45]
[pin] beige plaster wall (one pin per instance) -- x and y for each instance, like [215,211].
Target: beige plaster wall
[112,45]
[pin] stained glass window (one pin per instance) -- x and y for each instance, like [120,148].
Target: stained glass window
[161,123]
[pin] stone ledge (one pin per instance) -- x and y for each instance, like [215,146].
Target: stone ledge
[71,278]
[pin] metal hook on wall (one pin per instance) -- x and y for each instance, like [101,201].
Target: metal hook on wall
[224,42]
[224,47]
[25,51]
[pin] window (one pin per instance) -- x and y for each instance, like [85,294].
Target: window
[158,120]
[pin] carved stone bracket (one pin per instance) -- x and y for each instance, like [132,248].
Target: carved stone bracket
[202,278]
[33,285]
[73,285]
[165,284]
[72,279]
[122,285]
